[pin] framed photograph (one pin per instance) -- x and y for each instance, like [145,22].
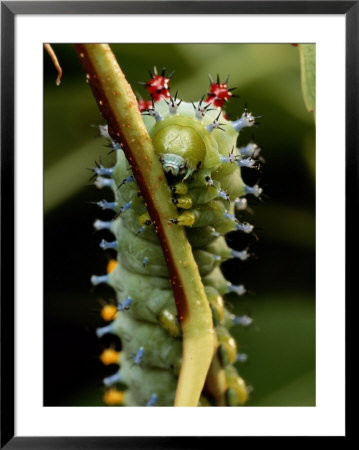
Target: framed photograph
[174,191]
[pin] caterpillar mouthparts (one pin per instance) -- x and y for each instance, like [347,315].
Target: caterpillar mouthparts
[197,147]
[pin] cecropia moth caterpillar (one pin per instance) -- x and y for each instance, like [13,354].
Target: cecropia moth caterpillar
[200,173]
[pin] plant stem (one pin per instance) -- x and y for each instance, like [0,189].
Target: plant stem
[119,108]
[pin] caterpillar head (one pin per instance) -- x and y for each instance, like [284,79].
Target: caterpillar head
[184,142]
[175,166]
[180,146]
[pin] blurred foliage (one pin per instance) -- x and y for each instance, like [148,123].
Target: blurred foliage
[281,345]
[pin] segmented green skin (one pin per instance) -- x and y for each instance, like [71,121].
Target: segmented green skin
[148,285]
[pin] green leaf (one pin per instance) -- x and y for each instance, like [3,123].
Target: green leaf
[307,64]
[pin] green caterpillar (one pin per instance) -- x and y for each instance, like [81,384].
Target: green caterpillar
[197,148]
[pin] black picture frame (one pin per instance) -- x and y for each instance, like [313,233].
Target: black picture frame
[9,10]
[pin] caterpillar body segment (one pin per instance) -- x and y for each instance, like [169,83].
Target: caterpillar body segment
[142,381]
[196,146]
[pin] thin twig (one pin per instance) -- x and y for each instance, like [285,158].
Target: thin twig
[55,62]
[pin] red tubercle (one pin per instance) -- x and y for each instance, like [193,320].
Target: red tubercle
[144,105]
[218,92]
[158,86]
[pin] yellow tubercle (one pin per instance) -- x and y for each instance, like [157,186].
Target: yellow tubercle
[229,347]
[184,202]
[109,312]
[114,397]
[180,188]
[170,323]
[145,220]
[216,301]
[237,393]
[111,265]
[110,356]
[185,219]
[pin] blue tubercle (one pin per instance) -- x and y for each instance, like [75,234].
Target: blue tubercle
[247,162]
[242,255]
[125,207]
[116,146]
[246,120]
[228,159]
[237,289]
[126,180]
[145,261]
[215,125]
[241,357]
[102,182]
[139,356]
[244,320]
[102,225]
[250,150]
[98,279]
[254,190]
[223,194]
[125,304]
[200,111]
[108,245]
[153,113]
[104,204]
[140,230]
[230,216]
[152,401]
[113,379]
[106,171]
[108,329]
[103,131]
[245,227]
[173,105]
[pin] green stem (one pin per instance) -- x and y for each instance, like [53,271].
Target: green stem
[119,108]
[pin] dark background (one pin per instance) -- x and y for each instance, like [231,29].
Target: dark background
[281,343]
